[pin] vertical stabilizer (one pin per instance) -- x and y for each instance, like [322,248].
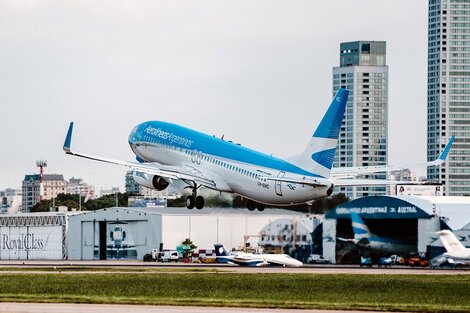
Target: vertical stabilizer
[319,154]
[450,242]
[359,227]
[220,250]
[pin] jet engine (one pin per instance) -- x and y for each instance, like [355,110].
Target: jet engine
[150,181]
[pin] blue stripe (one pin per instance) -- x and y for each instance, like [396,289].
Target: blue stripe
[359,231]
[330,125]
[193,140]
[68,139]
[325,158]
[444,153]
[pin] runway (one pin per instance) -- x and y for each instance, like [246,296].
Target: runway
[153,267]
[105,308]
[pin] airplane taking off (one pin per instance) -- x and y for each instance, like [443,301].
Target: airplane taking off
[167,152]
[251,259]
[363,238]
[456,255]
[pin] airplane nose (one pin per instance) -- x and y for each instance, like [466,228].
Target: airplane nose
[133,136]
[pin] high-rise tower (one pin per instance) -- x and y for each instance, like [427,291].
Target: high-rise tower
[449,92]
[363,139]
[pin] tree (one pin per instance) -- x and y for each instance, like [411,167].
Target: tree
[187,254]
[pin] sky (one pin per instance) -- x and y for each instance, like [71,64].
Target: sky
[257,72]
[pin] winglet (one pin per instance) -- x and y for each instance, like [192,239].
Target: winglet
[446,150]
[68,139]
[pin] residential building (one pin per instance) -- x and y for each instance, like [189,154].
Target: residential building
[363,139]
[449,93]
[53,185]
[78,186]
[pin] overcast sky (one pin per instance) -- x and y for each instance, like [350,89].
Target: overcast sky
[259,72]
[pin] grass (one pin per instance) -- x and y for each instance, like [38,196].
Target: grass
[108,269]
[416,293]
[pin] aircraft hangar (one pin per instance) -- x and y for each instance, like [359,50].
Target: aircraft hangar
[411,218]
[130,233]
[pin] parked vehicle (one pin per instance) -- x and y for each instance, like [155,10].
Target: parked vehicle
[366,261]
[162,256]
[316,259]
[384,261]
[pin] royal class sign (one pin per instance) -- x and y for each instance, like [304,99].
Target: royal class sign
[31,243]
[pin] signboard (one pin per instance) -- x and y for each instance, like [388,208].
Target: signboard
[378,207]
[31,243]
[419,190]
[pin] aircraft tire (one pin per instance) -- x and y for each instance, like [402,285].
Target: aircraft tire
[190,202]
[251,205]
[199,202]
[260,207]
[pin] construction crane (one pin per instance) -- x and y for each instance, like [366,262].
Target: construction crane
[41,164]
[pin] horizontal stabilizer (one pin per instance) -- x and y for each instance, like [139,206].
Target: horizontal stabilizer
[349,172]
[370,182]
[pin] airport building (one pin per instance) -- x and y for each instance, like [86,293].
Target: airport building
[449,93]
[363,139]
[130,233]
[416,219]
[33,236]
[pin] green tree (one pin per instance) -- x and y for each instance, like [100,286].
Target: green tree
[187,254]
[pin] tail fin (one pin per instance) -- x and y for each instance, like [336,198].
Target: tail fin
[220,250]
[319,154]
[359,227]
[450,242]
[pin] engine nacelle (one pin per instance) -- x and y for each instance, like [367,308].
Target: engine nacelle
[150,181]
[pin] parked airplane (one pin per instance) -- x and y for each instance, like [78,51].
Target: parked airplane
[456,255]
[167,152]
[363,238]
[251,259]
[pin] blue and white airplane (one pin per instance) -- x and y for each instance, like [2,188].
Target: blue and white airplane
[166,152]
[251,259]
[363,238]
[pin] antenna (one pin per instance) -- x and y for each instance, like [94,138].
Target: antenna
[41,164]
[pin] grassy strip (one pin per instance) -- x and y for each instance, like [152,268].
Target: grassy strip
[417,293]
[108,269]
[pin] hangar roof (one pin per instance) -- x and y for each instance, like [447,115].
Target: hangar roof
[205,211]
[454,210]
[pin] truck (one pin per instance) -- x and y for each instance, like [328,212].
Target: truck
[165,256]
[316,259]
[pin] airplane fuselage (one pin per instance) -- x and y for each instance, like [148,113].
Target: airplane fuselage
[388,245]
[232,168]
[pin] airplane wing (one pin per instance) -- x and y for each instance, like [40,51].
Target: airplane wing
[350,172]
[305,181]
[183,172]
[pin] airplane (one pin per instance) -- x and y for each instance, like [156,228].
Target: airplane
[457,254]
[363,238]
[251,259]
[166,152]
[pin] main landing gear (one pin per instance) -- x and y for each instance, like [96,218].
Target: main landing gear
[252,205]
[194,200]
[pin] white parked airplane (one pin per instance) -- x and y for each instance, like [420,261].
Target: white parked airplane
[456,255]
[167,152]
[251,259]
